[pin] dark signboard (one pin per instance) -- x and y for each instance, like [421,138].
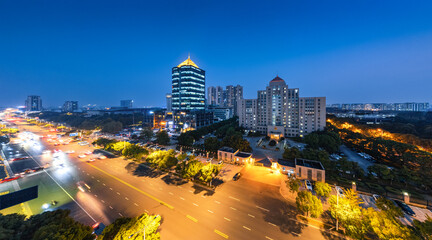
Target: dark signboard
[24,195]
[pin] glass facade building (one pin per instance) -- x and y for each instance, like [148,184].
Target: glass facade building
[188,87]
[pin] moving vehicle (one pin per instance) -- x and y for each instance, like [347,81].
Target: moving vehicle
[82,186]
[88,153]
[237,176]
[308,185]
[20,158]
[9,179]
[91,160]
[98,228]
[70,151]
[82,156]
[405,208]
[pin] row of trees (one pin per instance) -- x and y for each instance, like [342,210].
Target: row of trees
[329,141]
[399,155]
[358,222]
[233,140]
[59,225]
[186,166]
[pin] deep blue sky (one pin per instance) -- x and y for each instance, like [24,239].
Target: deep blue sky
[104,51]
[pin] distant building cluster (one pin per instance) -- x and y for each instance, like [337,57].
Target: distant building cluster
[223,102]
[70,106]
[279,111]
[33,103]
[126,103]
[402,107]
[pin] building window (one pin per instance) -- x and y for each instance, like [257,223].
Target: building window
[309,174]
[319,176]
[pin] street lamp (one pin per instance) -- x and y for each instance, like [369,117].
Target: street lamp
[144,228]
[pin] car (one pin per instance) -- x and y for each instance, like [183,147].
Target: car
[20,158]
[98,228]
[375,197]
[70,151]
[237,176]
[36,169]
[82,156]
[208,160]
[405,208]
[91,160]
[82,186]
[9,179]
[308,185]
[220,162]
[88,153]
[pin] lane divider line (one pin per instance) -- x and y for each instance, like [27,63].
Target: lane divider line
[192,218]
[221,233]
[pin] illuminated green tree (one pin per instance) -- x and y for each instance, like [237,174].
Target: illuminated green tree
[347,210]
[117,146]
[322,189]
[293,184]
[192,169]
[309,204]
[386,227]
[133,228]
[134,151]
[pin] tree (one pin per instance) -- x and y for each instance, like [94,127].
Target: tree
[185,139]
[385,227]
[146,134]
[387,206]
[291,153]
[347,211]
[424,229]
[209,171]
[117,146]
[322,189]
[124,227]
[293,184]
[112,127]
[48,225]
[134,151]
[192,169]
[103,142]
[162,138]
[212,144]
[309,204]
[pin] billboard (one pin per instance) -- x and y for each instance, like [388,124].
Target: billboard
[24,195]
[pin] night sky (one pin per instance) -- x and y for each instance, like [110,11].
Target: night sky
[103,51]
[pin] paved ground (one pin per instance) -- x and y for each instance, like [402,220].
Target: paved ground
[236,210]
[353,156]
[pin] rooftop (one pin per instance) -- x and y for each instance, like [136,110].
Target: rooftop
[243,154]
[309,163]
[287,162]
[227,149]
[187,62]
[277,79]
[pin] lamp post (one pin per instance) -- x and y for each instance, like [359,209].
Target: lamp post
[144,228]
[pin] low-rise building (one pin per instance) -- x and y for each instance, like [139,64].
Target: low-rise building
[231,155]
[302,169]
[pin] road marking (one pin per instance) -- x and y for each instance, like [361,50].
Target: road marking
[118,193]
[234,198]
[203,196]
[145,210]
[171,193]
[265,209]
[88,174]
[221,234]
[246,228]
[133,187]
[182,198]
[210,211]
[110,207]
[127,198]
[160,188]
[93,177]
[195,204]
[192,218]
[217,202]
[120,214]
[95,195]
[269,238]
[136,204]
[274,225]
[252,216]
[151,184]
[298,235]
[180,186]
[98,180]
[111,188]
[102,201]
[229,220]
[104,184]
[233,208]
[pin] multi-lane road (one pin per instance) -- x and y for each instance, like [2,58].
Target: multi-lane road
[243,209]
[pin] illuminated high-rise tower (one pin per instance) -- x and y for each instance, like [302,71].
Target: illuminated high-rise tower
[188,87]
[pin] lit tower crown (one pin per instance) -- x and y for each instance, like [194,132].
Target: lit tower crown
[188,87]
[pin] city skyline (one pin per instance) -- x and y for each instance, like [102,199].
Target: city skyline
[127,52]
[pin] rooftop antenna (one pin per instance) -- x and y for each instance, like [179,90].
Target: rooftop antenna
[188,55]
